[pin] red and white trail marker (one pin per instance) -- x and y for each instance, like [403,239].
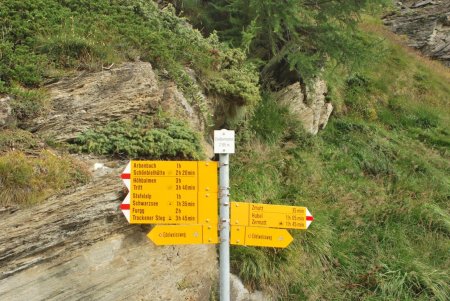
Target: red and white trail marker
[125,207]
[126,175]
[309,218]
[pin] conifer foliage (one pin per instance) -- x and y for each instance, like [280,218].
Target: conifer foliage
[298,33]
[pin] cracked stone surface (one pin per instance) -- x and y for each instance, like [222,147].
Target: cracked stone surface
[78,246]
[308,105]
[426,24]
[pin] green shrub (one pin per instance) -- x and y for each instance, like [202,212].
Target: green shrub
[252,266]
[143,137]
[18,63]
[238,84]
[73,51]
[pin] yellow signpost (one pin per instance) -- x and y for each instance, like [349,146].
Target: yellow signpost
[183,234]
[260,237]
[172,192]
[181,198]
[271,216]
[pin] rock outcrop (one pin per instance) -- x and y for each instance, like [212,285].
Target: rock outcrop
[78,246]
[93,99]
[308,104]
[240,293]
[426,24]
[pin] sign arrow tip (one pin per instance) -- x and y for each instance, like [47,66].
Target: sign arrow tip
[125,207]
[309,218]
[126,175]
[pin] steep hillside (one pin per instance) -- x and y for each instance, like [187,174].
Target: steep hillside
[331,111]
[376,179]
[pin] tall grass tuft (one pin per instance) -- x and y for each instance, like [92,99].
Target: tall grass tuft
[25,180]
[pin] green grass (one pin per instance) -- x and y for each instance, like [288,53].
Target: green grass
[27,104]
[29,179]
[21,140]
[376,179]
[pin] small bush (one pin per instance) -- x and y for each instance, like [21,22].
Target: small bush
[422,118]
[252,265]
[26,180]
[238,84]
[357,80]
[19,64]
[143,137]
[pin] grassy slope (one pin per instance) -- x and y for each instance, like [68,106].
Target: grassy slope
[376,180]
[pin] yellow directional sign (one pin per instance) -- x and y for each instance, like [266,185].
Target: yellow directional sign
[260,237]
[267,215]
[172,192]
[183,234]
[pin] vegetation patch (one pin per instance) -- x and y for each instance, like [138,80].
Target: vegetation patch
[26,180]
[92,35]
[375,179]
[17,140]
[144,137]
[27,104]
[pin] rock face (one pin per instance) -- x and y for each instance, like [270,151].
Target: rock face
[78,246]
[426,24]
[240,293]
[94,99]
[309,105]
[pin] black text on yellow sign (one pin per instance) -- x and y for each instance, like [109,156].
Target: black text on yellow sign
[267,215]
[173,192]
[260,237]
[183,234]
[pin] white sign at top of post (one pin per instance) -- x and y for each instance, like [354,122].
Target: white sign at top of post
[224,142]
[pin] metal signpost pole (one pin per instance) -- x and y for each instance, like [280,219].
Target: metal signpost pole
[224,146]
[224,184]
